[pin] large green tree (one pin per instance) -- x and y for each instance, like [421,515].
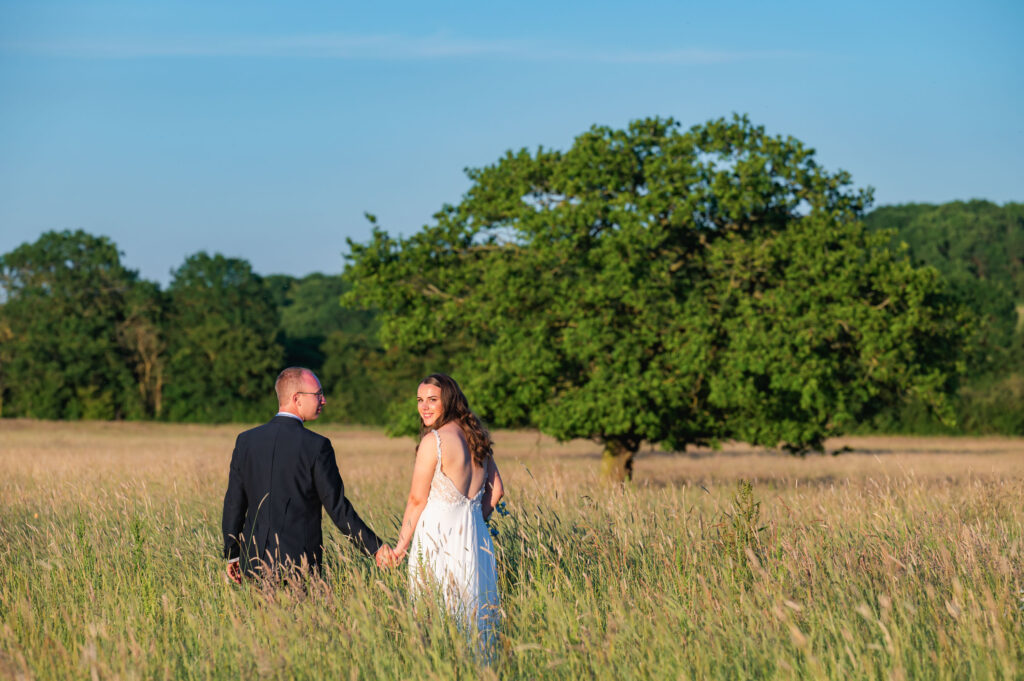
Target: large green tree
[223,354]
[64,299]
[667,285]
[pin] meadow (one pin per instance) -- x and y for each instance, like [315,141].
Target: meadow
[902,558]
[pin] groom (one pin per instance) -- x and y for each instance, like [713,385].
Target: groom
[280,476]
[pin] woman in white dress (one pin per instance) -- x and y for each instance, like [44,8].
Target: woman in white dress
[455,487]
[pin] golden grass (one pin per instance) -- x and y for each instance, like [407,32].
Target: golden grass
[903,558]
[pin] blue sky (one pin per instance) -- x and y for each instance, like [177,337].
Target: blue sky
[265,130]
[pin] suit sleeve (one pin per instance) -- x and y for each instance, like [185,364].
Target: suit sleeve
[235,505]
[332,494]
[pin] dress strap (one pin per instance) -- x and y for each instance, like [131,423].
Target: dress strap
[437,436]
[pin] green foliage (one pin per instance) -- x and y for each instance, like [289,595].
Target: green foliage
[370,384]
[143,335]
[666,285]
[990,403]
[81,337]
[363,381]
[65,298]
[976,238]
[979,248]
[278,286]
[314,311]
[223,354]
[310,312]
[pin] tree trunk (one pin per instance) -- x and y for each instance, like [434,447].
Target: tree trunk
[617,461]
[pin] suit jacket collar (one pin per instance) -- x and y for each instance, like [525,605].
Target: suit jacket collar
[286,420]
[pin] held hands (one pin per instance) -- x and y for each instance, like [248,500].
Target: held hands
[386,557]
[234,572]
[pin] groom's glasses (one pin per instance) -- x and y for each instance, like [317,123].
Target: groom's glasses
[319,394]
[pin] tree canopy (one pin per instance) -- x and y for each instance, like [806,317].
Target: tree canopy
[976,239]
[223,352]
[653,283]
[665,285]
[83,337]
[362,380]
[65,298]
[979,248]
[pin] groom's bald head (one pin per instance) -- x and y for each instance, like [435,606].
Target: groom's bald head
[288,383]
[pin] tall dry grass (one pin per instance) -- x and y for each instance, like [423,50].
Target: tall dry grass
[900,559]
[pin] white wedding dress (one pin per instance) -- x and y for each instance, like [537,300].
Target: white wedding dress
[452,555]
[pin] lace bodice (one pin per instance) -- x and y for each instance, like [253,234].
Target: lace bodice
[443,490]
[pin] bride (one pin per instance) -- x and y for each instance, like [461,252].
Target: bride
[455,487]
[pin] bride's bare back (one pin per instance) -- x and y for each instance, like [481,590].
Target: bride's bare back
[457,461]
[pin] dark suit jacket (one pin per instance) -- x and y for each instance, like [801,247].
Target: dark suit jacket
[281,475]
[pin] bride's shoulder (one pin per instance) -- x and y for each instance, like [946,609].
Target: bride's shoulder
[451,431]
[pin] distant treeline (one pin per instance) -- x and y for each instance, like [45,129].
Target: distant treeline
[979,248]
[81,336]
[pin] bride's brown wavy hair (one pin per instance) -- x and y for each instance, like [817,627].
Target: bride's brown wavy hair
[455,407]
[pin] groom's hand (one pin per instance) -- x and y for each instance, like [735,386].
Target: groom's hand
[385,557]
[234,572]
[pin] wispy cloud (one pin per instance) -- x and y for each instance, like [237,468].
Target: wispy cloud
[372,47]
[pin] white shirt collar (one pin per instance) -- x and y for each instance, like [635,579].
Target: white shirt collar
[286,413]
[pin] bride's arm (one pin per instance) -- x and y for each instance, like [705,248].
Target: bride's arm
[495,490]
[422,474]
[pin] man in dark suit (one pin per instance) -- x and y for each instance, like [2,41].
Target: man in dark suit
[281,475]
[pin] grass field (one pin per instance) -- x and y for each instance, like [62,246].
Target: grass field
[903,559]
